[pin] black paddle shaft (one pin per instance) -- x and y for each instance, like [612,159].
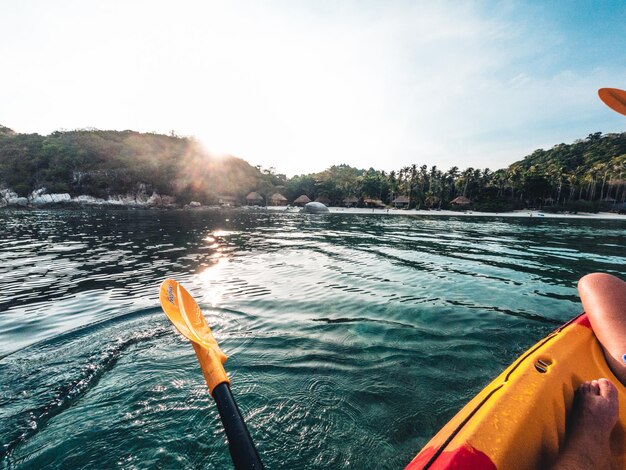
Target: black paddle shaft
[242,449]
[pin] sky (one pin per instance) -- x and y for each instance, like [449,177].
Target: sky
[299,86]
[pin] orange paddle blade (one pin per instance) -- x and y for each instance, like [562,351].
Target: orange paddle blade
[183,311]
[614,99]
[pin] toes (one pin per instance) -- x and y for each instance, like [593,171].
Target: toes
[594,387]
[607,389]
[583,388]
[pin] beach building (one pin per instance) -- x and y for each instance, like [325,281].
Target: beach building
[461,201]
[372,203]
[324,200]
[277,199]
[302,200]
[401,202]
[350,201]
[254,199]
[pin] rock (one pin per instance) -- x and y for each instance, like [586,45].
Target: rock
[138,199]
[11,198]
[118,200]
[193,205]
[37,193]
[88,200]
[155,200]
[8,195]
[141,197]
[167,201]
[63,197]
[315,208]
[41,199]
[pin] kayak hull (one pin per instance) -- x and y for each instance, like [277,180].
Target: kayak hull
[518,421]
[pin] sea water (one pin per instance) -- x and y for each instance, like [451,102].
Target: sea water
[352,338]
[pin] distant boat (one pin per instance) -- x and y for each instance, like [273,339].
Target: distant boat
[314,208]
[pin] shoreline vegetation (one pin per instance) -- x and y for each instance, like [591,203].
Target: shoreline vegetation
[95,168]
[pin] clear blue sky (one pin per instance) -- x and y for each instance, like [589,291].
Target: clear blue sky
[300,86]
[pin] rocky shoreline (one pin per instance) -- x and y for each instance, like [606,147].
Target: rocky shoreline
[41,199]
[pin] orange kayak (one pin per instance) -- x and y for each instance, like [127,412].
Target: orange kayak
[518,421]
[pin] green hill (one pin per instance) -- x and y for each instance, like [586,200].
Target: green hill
[103,163]
[581,156]
[590,170]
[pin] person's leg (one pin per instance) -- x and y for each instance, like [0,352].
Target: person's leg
[604,299]
[595,409]
[593,417]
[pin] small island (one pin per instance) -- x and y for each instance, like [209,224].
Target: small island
[132,169]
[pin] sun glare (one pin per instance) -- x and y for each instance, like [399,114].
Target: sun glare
[221,233]
[212,152]
[211,277]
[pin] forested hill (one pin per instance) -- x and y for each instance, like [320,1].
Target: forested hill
[591,169]
[596,151]
[103,163]
[588,174]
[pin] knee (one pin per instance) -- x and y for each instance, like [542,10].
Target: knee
[597,280]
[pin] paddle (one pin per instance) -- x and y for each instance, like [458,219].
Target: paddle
[614,99]
[184,313]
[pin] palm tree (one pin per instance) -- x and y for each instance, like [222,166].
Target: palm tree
[555,173]
[572,180]
[453,174]
[498,178]
[413,177]
[514,176]
[618,165]
[392,184]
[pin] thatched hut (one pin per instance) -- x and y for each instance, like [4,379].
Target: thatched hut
[371,202]
[351,201]
[324,200]
[254,199]
[400,202]
[461,201]
[302,200]
[277,199]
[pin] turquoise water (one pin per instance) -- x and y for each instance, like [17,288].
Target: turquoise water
[352,338]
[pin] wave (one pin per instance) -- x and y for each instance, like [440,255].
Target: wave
[32,420]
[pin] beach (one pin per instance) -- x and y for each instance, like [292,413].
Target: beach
[448,213]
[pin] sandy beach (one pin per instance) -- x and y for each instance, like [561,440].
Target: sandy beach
[447,213]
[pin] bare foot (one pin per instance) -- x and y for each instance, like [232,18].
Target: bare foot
[594,416]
